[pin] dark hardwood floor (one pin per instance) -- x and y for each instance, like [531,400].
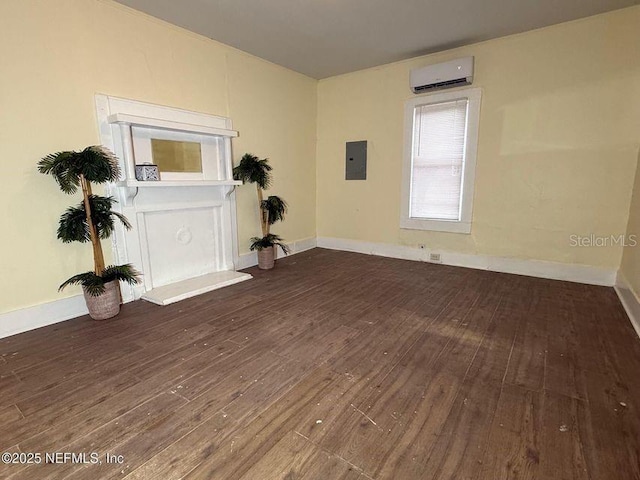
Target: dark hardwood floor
[336,366]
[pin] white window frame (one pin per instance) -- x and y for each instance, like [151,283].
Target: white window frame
[473,95]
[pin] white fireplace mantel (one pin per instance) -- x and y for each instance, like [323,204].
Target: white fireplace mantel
[130,187]
[184,231]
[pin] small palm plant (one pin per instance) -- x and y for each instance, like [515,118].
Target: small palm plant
[93,219]
[252,169]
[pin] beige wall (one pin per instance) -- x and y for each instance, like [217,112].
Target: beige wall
[558,135]
[57,55]
[558,144]
[630,266]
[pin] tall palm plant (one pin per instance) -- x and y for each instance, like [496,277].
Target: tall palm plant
[252,169]
[93,219]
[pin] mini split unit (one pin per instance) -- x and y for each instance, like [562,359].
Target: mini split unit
[454,73]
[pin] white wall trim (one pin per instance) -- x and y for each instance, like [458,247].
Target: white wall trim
[630,300]
[30,318]
[250,259]
[535,268]
[18,321]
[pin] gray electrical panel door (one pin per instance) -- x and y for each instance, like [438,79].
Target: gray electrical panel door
[356,161]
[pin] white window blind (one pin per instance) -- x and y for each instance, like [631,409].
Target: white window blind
[438,156]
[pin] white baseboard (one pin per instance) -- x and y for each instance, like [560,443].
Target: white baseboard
[30,318]
[534,268]
[22,320]
[630,300]
[250,259]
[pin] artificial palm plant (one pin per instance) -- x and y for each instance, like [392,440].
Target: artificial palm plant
[252,169]
[91,221]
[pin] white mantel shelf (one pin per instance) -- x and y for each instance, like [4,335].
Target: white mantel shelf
[139,121]
[177,183]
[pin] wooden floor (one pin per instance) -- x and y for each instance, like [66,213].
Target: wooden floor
[336,366]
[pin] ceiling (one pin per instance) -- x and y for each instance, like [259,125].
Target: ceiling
[322,38]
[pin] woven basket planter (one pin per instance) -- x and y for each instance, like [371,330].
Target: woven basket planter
[266,258]
[106,305]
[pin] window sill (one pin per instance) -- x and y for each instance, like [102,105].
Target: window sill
[436,225]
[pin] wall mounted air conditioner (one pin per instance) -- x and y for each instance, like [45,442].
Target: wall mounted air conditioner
[454,73]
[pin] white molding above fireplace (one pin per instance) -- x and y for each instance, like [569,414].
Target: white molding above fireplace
[182,229]
[140,121]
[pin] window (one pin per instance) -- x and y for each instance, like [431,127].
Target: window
[441,136]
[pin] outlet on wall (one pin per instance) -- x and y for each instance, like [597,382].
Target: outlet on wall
[435,257]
